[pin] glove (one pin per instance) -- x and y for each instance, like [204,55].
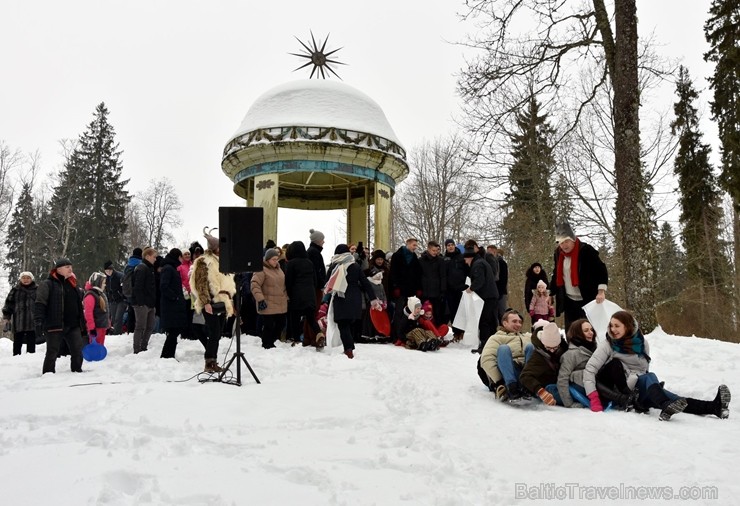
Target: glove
[323,310]
[546,397]
[262,305]
[531,312]
[593,399]
[92,333]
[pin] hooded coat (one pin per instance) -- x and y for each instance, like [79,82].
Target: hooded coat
[172,309]
[542,368]
[300,278]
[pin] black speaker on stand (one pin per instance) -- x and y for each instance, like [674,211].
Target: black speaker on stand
[240,238]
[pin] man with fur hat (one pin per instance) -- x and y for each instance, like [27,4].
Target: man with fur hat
[19,308]
[483,283]
[540,373]
[59,316]
[579,275]
[210,287]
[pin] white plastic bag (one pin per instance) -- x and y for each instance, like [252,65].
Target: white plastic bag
[599,315]
[467,317]
[333,338]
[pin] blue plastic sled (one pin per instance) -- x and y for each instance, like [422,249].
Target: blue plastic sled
[579,397]
[94,352]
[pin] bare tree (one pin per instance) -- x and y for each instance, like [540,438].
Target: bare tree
[136,235]
[158,207]
[10,161]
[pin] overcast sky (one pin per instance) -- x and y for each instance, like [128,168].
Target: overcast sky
[178,77]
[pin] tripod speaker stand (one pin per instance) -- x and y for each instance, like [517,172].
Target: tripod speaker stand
[238,356]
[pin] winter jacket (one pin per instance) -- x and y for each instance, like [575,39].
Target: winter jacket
[493,262]
[145,289]
[405,274]
[58,304]
[269,285]
[489,355]
[540,305]
[457,271]
[349,307]
[19,306]
[172,309]
[591,273]
[502,283]
[314,254]
[97,311]
[300,279]
[481,279]
[184,270]
[572,364]
[542,368]
[433,276]
[634,365]
[113,288]
[532,279]
[208,284]
[382,291]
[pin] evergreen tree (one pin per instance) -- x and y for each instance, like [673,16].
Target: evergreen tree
[22,239]
[563,205]
[670,265]
[699,193]
[89,203]
[529,202]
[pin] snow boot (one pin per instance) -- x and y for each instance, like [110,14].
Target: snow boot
[620,401]
[668,408]
[514,391]
[718,407]
[349,353]
[212,366]
[320,340]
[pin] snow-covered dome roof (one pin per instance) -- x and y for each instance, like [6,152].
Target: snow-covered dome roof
[317,103]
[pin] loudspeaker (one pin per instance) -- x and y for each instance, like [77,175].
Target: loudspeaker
[240,238]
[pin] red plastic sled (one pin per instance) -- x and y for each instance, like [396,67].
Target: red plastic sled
[381,322]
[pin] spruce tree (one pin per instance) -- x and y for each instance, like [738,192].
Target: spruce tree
[22,239]
[670,265]
[89,202]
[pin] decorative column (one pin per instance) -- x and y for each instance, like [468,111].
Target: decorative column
[266,197]
[382,216]
[357,221]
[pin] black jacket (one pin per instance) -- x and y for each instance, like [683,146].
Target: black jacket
[349,307]
[172,310]
[405,277]
[145,288]
[57,300]
[314,254]
[300,278]
[19,307]
[481,279]
[591,273]
[542,368]
[433,276]
[457,271]
[113,288]
[503,277]
[531,282]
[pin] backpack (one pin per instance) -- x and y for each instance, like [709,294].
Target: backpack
[127,282]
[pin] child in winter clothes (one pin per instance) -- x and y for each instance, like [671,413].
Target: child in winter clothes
[540,308]
[417,337]
[95,304]
[19,307]
[426,321]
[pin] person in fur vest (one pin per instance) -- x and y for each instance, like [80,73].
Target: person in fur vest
[540,374]
[268,290]
[540,307]
[97,309]
[210,286]
[18,309]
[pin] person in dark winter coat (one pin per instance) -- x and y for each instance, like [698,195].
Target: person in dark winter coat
[18,310]
[484,285]
[502,283]
[579,275]
[314,254]
[378,273]
[300,283]
[457,271]
[114,294]
[540,374]
[173,316]
[405,278]
[535,273]
[133,261]
[144,299]
[344,290]
[97,308]
[433,280]
[412,327]
[58,315]
[626,344]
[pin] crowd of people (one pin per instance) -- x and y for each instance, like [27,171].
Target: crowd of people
[296,298]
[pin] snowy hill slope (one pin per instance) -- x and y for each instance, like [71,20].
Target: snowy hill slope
[390,427]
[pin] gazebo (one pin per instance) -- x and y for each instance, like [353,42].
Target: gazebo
[317,145]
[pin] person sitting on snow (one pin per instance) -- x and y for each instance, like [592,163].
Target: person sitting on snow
[412,327]
[426,321]
[504,356]
[540,374]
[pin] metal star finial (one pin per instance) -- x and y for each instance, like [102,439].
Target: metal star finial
[318,58]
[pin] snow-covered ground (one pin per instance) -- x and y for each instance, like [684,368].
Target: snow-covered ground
[390,427]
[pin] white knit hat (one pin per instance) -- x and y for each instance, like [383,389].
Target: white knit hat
[550,335]
[26,273]
[413,303]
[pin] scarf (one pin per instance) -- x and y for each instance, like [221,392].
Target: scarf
[634,345]
[408,255]
[338,279]
[589,345]
[573,255]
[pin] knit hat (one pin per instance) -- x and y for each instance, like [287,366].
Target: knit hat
[378,253]
[469,253]
[449,241]
[26,273]
[341,248]
[563,232]
[550,335]
[213,243]
[427,307]
[107,265]
[136,253]
[271,253]
[315,236]
[542,284]
[62,262]
[413,303]
[96,279]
